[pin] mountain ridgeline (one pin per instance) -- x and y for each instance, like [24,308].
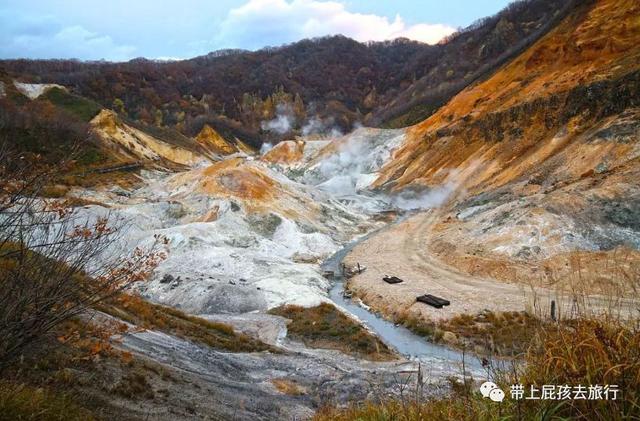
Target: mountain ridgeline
[314,86]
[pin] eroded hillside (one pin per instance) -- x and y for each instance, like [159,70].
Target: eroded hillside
[583,71]
[545,158]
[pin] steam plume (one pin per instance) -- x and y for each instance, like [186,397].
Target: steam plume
[283,121]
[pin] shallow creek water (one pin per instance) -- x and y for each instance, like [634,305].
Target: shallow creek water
[398,337]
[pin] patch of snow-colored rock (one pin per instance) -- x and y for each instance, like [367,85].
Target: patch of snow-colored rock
[236,263]
[34,90]
[353,162]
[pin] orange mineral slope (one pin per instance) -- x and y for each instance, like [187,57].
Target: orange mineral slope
[126,142]
[286,152]
[253,185]
[212,141]
[534,108]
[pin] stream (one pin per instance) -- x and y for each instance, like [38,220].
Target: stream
[397,337]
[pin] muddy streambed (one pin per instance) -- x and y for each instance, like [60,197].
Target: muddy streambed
[395,336]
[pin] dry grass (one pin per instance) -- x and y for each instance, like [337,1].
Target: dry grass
[19,402]
[57,191]
[77,365]
[218,335]
[288,387]
[134,385]
[499,333]
[417,324]
[591,284]
[588,352]
[82,176]
[51,382]
[585,349]
[582,352]
[324,326]
[81,371]
[405,411]
[54,191]
[493,333]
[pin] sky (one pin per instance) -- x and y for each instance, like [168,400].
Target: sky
[119,30]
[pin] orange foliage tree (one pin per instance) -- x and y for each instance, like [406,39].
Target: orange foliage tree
[55,263]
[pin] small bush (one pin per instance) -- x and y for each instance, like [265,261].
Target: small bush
[288,387]
[82,108]
[134,385]
[324,326]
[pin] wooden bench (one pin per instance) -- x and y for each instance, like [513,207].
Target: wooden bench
[433,301]
[392,279]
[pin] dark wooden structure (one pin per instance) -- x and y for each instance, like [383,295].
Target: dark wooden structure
[433,301]
[392,279]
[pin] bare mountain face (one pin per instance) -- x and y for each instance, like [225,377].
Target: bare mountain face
[544,156]
[309,86]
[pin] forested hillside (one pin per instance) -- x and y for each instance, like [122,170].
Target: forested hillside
[312,86]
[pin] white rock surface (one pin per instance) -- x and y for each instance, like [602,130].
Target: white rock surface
[245,261]
[34,90]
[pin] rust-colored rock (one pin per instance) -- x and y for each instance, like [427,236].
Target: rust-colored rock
[212,141]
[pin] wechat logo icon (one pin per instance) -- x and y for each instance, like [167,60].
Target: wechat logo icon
[492,391]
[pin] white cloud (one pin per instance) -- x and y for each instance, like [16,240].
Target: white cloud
[430,34]
[45,37]
[83,29]
[79,42]
[273,22]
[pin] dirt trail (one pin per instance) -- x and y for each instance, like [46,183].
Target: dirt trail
[402,250]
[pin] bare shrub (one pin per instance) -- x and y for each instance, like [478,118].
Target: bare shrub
[55,263]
